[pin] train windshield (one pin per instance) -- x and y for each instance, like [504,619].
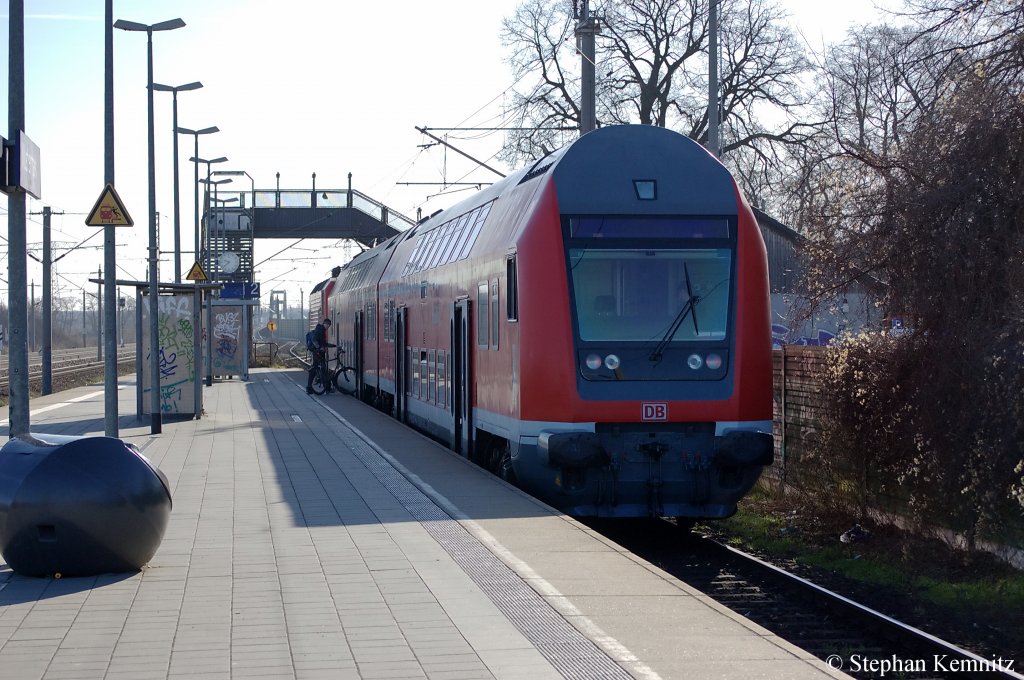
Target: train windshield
[631,294]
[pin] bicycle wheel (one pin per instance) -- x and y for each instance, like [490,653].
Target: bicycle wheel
[345,380]
[320,380]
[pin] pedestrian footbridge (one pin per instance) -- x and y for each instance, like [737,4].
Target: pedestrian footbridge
[235,219]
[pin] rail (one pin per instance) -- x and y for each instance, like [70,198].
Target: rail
[845,634]
[67,363]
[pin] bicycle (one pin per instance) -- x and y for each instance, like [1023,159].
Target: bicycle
[341,376]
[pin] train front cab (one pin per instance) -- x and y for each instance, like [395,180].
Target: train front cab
[666,410]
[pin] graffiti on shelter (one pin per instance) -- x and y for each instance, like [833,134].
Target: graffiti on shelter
[175,355]
[227,333]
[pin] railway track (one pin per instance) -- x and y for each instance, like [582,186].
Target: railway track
[66,365]
[846,635]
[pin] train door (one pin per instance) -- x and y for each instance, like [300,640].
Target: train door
[401,367]
[461,380]
[357,351]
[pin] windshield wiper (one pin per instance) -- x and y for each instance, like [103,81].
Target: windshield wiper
[689,308]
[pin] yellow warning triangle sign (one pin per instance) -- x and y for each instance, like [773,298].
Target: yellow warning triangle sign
[196,273]
[109,210]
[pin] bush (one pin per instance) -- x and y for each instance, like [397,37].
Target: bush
[914,426]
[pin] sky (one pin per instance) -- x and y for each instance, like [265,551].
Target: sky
[325,86]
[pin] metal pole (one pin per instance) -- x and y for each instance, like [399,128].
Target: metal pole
[139,355]
[47,349]
[210,225]
[197,301]
[713,140]
[99,316]
[246,309]
[84,333]
[109,235]
[177,202]
[585,33]
[196,192]
[207,209]
[154,290]
[16,223]
[32,316]
[209,339]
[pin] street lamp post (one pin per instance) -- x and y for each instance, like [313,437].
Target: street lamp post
[154,289]
[197,294]
[195,133]
[174,90]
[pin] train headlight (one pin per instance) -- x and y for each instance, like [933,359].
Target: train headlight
[612,362]
[593,362]
[714,362]
[694,361]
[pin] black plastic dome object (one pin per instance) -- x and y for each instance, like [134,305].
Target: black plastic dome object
[79,506]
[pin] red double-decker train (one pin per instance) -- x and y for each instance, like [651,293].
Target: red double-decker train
[594,327]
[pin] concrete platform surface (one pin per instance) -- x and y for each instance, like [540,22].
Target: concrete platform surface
[314,537]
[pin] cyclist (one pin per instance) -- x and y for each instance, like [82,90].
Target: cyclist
[320,346]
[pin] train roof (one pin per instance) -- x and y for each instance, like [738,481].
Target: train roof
[686,179]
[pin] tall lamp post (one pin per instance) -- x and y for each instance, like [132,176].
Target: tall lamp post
[154,288]
[197,295]
[196,133]
[174,90]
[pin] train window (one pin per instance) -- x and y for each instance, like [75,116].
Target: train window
[451,238]
[407,371]
[423,374]
[511,288]
[417,255]
[432,247]
[432,373]
[474,230]
[442,382]
[482,316]
[637,294]
[494,314]
[415,370]
[442,243]
[462,233]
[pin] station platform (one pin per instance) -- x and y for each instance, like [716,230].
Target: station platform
[314,537]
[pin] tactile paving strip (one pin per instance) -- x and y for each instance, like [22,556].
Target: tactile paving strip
[566,648]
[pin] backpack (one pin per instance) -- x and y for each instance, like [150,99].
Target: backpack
[310,344]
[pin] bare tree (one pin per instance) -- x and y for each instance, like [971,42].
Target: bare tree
[919,184]
[652,69]
[540,37]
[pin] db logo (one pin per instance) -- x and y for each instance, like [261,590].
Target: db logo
[654,411]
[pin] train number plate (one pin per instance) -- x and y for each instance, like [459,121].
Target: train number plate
[653,411]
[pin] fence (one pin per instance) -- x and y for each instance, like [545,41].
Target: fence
[797,405]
